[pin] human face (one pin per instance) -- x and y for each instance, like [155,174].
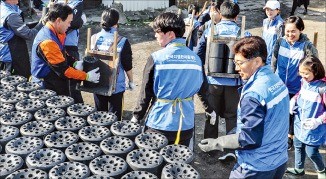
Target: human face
[245,67]
[270,13]
[292,33]
[163,38]
[306,74]
[64,25]
[13,2]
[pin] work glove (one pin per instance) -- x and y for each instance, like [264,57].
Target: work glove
[131,86]
[78,65]
[83,17]
[312,123]
[93,75]
[211,117]
[220,143]
[134,120]
[293,107]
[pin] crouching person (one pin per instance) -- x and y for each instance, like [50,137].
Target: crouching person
[49,66]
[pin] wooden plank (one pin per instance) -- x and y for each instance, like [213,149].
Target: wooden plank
[315,39]
[243,25]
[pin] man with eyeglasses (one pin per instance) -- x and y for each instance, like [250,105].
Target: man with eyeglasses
[262,116]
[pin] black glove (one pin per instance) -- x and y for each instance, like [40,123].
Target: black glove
[220,143]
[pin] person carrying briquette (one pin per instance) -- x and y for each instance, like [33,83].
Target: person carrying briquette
[262,116]
[49,66]
[194,24]
[222,93]
[171,77]
[309,109]
[273,27]
[14,32]
[71,44]
[288,51]
[103,41]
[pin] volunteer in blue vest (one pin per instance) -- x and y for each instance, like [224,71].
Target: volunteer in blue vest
[288,51]
[14,32]
[171,77]
[262,116]
[273,27]
[103,41]
[71,44]
[49,66]
[222,92]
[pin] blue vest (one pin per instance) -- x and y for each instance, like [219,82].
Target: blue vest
[39,67]
[270,34]
[271,92]
[288,60]
[73,35]
[225,28]
[310,105]
[6,34]
[104,40]
[177,78]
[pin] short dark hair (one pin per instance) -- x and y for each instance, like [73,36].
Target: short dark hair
[251,47]
[314,65]
[58,10]
[229,10]
[169,22]
[295,20]
[110,17]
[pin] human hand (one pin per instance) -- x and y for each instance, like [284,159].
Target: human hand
[93,75]
[311,123]
[83,17]
[293,107]
[134,120]
[212,117]
[78,65]
[131,86]
[210,144]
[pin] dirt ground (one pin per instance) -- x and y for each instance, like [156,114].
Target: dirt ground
[143,44]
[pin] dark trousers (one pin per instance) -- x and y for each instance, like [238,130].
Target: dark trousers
[20,58]
[224,100]
[239,172]
[203,94]
[53,82]
[185,136]
[111,103]
[6,66]
[296,3]
[291,120]
[72,56]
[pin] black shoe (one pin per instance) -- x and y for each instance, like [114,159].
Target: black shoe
[227,158]
[294,171]
[290,143]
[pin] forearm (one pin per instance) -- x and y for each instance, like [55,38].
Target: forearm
[130,76]
[146,94]
[16,23]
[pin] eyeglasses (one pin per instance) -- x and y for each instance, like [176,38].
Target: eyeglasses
[239,64]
